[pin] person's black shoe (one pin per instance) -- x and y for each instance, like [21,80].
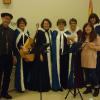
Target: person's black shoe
[55,90]
[7,96]
[87,91]
[96,92]
[61,89]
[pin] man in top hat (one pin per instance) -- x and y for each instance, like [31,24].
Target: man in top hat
[7,58]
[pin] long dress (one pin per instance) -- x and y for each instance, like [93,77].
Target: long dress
[62,58]
[56,86]
[22,67]
[97,29]
[75,73]
[41,72]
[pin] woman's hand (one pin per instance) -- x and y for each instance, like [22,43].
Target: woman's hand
[71,39]
[41,57]
[91,45]
[25,50]
[14,60]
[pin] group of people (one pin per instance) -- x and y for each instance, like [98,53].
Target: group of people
[64,58]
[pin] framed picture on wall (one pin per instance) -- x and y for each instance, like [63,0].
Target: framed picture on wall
[7,1]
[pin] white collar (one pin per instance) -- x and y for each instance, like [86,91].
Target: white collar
[98,24]
[77,29]
[25,31]
[43,29]
[61,31]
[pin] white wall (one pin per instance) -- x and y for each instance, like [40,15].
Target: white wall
[35,10]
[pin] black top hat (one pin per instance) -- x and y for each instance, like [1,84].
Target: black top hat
[7,14]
